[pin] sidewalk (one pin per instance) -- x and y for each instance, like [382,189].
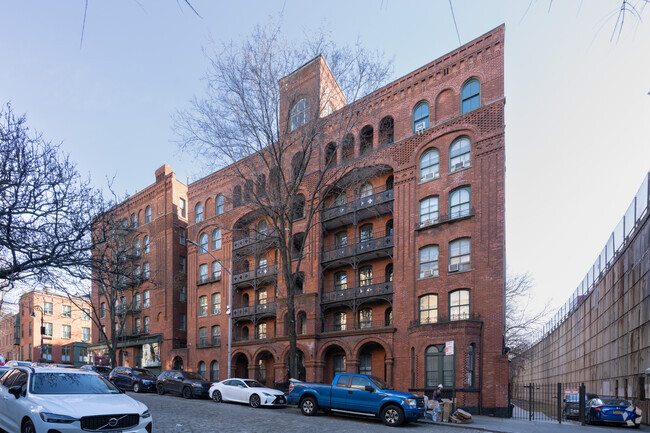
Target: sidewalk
[508,425]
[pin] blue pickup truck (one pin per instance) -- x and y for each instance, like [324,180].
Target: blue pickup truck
[357,394]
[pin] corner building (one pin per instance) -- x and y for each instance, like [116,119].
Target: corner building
[407,257]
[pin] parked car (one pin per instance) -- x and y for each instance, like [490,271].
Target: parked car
[613,410]
[14,363]
[53,399]
[572,403]
[137,379]
[47,364]
[185,383]
[99,369]
[358,394]
[246,391]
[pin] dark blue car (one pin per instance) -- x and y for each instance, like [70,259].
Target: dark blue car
[613,410]
[137,379]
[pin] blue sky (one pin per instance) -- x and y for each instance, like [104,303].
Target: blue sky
[577,110]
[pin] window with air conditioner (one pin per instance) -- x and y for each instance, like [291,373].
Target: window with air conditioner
[420,117]
[428,261]
[460,154]
[428,214]
[429,165]
[460,255]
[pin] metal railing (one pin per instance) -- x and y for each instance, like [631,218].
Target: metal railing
[267,271]
[342,293]
[269,307]
[378,241]
[635,213]
[257,237]
[380,195]
[331,326]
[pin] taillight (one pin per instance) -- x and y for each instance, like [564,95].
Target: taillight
[290,387]
[598,408]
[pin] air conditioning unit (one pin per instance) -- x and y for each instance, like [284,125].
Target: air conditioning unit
[458,166]
[428,222]
[454,268]
[428,176]
[420,127]
[467,163]
[426,273]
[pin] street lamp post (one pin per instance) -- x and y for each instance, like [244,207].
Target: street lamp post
[229,306]
[39,308]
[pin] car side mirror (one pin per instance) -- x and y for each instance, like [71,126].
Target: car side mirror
[370,388]
[16,391]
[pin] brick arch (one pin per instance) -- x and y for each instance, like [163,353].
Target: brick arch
[244,352]
[259,351]
[382,343]
[299,346]
[376,161]
[341,344]
[447,138]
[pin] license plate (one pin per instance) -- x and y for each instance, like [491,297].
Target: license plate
[618,412]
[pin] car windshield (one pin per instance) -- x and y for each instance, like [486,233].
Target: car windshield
[254,384]
[615,402]
[142,372]
[192,375]
[380,384]
[71,383]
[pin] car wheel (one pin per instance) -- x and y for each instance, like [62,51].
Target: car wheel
[309,406]
[392,416]
[28,427]
[136,387]
[254,400]
[187,392]
[216,396]
[160,389]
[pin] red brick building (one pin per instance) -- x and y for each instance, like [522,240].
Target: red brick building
[408,256]
[150,311]
[9,337]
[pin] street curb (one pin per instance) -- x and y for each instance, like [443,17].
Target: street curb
[463,426]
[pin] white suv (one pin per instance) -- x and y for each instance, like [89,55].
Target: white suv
[65,400]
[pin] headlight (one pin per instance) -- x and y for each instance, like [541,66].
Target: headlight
[267,394]
[145,414]
[58,419]
[411,402]
[198,385]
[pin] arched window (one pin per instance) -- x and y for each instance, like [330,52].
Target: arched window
[262,227]
[146,272]
[365,232]
[460,255]
[459,202]
[245,300]
[340,280]
[298,209]
[216,335]
[216,300]
[470,96]
[298,246]
[134,221]
[365,276]
[245,266]
[429,165]
[471,361]
[347,147]
[297,165]
[428,211]
[216,239]
[145,325]
[365,190]
[214,371]
[388,317]
[216,271]
[203,243]
[428,309]
[386,131]
[202,369]
[203,305]
[438,368]
[428,261]
[147,215]
[299,281]
[245,333]
[341,199]
[198,212]
[389,273]
[390,183]
[420,117]
[340,321]
[145,244]
[248,190]
[137,248]
[459,304]
[261,185]
[302,323]
[262,262]
[262,297]
[299,114]
[460,154]
[341,239]
[365,140]
[330,155]
[218,205]
[260,331]
[236,196]
[365,318]
[389,228]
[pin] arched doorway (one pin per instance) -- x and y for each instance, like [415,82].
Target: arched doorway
[335,362]
[302,371]
[241,366]
[266,368]
[372,360]
[177,363]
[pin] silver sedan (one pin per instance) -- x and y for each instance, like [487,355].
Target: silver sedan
[246,391]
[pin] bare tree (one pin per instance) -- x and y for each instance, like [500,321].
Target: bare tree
[522,318]
[254,119]
[46,208]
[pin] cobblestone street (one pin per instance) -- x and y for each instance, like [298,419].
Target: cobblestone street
[172,414]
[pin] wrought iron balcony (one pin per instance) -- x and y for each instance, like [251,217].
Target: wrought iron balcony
[249,240]
[336,294]
[205,279]
[376,244]
[267,271]
[380,201]
[260,309]
[436,220]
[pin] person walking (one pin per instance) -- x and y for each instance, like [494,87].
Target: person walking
[437,394]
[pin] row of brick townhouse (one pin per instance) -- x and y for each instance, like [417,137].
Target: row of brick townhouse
[48,327]
[408,253]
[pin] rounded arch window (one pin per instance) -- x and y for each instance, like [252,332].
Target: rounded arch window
[420,117]
[430,165]
[299,114]
[218,204]
[198,212]
[365,190]
[470,96]
[216,239]
[147,215]
[202,369]
[460,156]
[203,243]
[214,371]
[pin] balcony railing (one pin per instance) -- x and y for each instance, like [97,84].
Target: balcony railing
[335,294]
[127,309]
[445,319]
[248,240]
[214,341]
[380,195]
[267,271]
[269,307]
[380,242]
[376,324]
[445,218]
[205,279]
